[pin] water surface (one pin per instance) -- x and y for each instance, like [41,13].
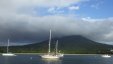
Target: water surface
[67,59]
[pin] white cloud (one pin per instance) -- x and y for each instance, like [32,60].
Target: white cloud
[26,6]
[51,10]
[91,19]
[17,3]
[55,10]
[74,8]
[97,4]
[37,28]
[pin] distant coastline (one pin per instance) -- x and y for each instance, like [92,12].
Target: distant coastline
[68,45]
[64,54]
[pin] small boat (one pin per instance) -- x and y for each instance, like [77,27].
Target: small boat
[49,55]
[106,56]
[8,53]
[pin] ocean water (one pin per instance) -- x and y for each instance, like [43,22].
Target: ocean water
[67,59]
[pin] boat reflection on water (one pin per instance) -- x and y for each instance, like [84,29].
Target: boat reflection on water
[52,61]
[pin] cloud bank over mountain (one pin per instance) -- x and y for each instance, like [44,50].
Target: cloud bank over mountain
[18,22]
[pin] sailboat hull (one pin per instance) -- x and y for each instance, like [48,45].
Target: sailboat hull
[60,55]
[8,54]
[50,56]
[106,56]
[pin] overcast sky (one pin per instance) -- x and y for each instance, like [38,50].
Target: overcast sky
[29,21]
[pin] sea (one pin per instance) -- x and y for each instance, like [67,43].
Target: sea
[67,59]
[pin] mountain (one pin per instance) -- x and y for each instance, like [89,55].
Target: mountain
[69,44]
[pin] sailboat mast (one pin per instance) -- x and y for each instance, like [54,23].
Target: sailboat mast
[8,46]
[56,46]
[49,50]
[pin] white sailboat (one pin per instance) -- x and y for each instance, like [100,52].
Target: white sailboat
[106,56]
[8,53]
[49,55]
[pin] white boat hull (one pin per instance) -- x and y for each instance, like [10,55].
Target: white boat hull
[106,56]
[8,54]
[50,56]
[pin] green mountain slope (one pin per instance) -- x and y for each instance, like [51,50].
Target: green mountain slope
[69,44]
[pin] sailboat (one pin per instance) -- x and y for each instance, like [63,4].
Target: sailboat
[106,56]
[8,53]
[49,55]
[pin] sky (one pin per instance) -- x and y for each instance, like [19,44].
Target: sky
[29,21]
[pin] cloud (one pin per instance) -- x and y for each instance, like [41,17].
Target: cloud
[97,4]
[91,20]
[55,10]
[74,8]
[51,9]
[48,3]
[25,28]
[32,7]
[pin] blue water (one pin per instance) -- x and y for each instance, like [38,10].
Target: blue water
[67,59]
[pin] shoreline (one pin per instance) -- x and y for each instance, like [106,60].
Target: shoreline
[64,54]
